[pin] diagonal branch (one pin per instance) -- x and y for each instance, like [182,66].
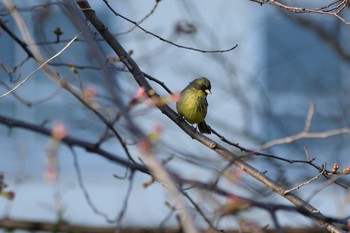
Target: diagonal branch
[74,142]
[56,78]
[39,68]
[225,153]
[15,38]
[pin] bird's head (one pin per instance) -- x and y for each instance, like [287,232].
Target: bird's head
[202,84]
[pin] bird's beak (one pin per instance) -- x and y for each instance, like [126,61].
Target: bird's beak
[207,91]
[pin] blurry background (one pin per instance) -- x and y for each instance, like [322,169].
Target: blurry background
[262,90]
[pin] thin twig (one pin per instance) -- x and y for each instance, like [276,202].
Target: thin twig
[142,20]
[84,190]
[306,182]
[56,78]
[200,211]
[335,11]
[305,133]
[41,66]
[125,202]
[75,142]
[165,40]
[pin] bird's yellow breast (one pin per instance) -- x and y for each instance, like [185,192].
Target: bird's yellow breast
[193,106]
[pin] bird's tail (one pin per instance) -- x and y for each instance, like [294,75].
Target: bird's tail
[204,128]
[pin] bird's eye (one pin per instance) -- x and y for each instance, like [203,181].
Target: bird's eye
[204,87]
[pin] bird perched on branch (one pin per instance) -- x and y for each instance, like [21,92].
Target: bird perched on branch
[193,103]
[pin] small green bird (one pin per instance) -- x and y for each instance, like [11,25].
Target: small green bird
[193,103]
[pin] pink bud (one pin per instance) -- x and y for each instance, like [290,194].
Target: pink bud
[89,92]
[144,146]
[59,130]
[139,96]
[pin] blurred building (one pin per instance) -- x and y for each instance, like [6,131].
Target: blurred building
[302,66]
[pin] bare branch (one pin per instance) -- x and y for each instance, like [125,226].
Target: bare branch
[41,66]
[168,41]
[306,182]
[57,79]
[142,20]
[75,142]
[305,133]
[331,9]
[225,153]
[67,227]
